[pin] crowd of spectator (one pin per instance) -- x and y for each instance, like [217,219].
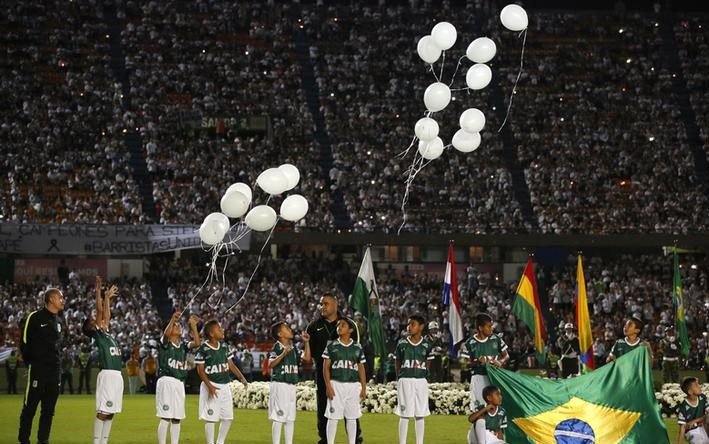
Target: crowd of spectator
[595,122]
[693,50]
[367,70]
[63,157]
[217,64]
[598,127]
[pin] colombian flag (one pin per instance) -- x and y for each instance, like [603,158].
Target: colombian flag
[614,404]
[583,321]
[527,309]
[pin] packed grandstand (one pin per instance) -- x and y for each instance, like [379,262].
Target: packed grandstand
[145,113]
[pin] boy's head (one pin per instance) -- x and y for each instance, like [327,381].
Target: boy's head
[415,325]
[345,327]
[492,395]
[89,326]
[213,331]
[174,332]
[633,327]
[281,330]
[483,322]
[690,386]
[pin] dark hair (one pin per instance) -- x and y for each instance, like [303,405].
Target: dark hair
[482,319]
[86,327]
[489,390]
[350,323]
[418,318]
[686,382]
[209,326]
[48,294]
[329,295]
[275,328]
[637,322]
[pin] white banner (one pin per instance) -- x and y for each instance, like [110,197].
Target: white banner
[100,239]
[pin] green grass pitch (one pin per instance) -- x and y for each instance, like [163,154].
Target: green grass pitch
[137,423]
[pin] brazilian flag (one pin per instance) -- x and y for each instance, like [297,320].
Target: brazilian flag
[614,404]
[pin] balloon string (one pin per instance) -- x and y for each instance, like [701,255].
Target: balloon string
[519,74]
[443,61]
[406,151]
[456,72]
[258,263]
[433,70]
[214,252]
[412,172]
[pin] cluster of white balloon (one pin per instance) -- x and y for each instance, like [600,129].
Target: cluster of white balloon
[237,199]
[438,95]
[221,238]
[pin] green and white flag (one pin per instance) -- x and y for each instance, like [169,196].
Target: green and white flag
[365,300]
[678,302]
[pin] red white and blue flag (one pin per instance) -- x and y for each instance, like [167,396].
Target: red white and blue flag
[452,300]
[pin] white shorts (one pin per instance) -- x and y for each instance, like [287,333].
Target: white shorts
[412,398]
[345,404]
[490,438]
[697,436]
[477,384]
[281,401]
[109,391]
[170,398]
[219,407]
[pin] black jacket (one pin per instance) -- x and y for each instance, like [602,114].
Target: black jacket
[40,340]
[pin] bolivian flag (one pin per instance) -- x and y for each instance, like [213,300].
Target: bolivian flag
[527,309]
[612,405]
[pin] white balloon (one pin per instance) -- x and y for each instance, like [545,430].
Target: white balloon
[294,208]
[292,174]
[272,181]
[213,228]
[478,76]
[234,204]
[436,97]
[261,218]
[220,219]
[431,150]
[472,120]
[514,17]
[242,188]
[426,129]
[444,34]
[428,50]
[481,50]
[465,142]
[211,233]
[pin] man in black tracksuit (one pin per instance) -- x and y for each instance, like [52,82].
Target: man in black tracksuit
[322,330]
[40,347]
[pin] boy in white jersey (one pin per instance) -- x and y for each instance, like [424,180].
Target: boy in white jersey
[109,382]
[484,347]
[413,358]
[172,371]
[214,363]
[345,381]
[284,363]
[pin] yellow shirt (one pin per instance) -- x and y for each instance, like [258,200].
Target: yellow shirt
[132,367]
